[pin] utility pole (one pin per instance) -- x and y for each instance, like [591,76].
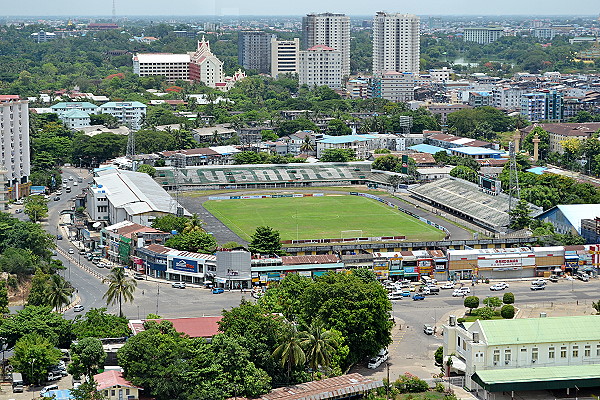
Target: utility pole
[157,296]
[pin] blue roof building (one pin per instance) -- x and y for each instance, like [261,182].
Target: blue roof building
[478,153]
[427,148]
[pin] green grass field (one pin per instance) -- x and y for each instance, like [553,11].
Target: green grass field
[320,217]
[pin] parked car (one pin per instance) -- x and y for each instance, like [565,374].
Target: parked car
[499,286]
[447,285]
[553,278]
[406,293]
[56,198]
[78,308]
[71,251]
[178,285]
[58,237]
[583,277]
[138,276]
[376,361]
[428,329]
[395,296]
[217,290]
[418,297]
[48,388]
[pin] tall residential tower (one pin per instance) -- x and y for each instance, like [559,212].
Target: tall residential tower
[396,43]
[254,50]
[331,30]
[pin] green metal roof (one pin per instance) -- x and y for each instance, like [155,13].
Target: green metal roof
[539,330]
[542,378]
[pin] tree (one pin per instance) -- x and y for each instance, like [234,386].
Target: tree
[87,391]
[33,356]
[507,311]
[108,120]
[336,127]
[99,324]
[543,145]
[596,306]
[40,320]
[36,208]
[319,345]
[194,224]
[58,292]
[337,155]
[17,261]
[147,169]
[471,302]
[290,351]
[519,216]
[441,157]
[492,302]
[265,240]
[439,355]
[386,163]
[485,313]
[120,288]
[169,223]
[3,298]
[307,145]
[508,298]
[87,356]
[196,241]
[465,173]
[268,135]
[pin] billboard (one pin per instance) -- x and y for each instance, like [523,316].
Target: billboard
[404,168]
[180,264]
[490,185]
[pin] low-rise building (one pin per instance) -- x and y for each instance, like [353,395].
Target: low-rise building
[130,113]
[395,86]
[525,354]
[562,131]
[362,145]
[113,386]
[120,240]
[75,119]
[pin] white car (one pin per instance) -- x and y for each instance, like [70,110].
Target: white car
[461,292]
[499,286]
[71,251]
[447,285]
[397,295]
[376,361]
[78,308]
[539,282]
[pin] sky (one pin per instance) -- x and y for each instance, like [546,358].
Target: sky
[263,7]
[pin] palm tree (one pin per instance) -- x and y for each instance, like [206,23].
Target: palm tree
[194,224]
[318,344]
[307,145]
[290,350]
[120,288]
[58,292]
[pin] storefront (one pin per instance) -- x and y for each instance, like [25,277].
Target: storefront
[508,266]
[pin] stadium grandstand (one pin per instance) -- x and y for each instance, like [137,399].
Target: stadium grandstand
[469,202]
[268,176]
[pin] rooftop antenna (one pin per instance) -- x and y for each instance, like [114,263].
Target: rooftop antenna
[131,144]
[114,11]
[513,186]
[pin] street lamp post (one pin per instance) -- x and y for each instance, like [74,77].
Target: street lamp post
[33,360]
[3,343]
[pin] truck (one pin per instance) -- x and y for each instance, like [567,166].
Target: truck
[17,382]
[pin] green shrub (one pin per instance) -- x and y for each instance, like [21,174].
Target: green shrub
[507,311]
[461,320]
[508,298]
[408,383]
[439,387]
[439,355]
[485,313]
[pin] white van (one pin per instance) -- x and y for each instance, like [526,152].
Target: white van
[17,382]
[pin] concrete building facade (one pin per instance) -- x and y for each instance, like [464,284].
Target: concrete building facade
[14,144]
[172,66]
[284,56]
[329,29]
[396,43]
[321,65]
[254,50]
[483,35]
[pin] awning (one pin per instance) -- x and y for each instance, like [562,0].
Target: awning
[542,378]
[457,364]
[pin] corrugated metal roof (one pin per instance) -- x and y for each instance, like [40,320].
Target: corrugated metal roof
[539,330]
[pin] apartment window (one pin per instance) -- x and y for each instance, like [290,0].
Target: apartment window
[496,356]
[598,350]
[587,352]
[563,352]
[534,354]
[551,352]
[507,356]
[575,351]
[112,393]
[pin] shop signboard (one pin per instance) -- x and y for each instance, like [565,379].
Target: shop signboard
[506,262]
[180,264]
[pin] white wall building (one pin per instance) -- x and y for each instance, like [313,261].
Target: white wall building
[14,143]
[321,65]
[119,195]
[205,67]
[398,86]
[520,354]
[75,119]
[130,113]
[332,30]
[441,75]
[172,66]
[482,35]
[284,56]
[507,97]
[396,43]
[362,145]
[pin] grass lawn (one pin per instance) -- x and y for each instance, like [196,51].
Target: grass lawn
[320,217]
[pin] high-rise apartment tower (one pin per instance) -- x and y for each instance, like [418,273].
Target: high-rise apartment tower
[331,30]
[396,45]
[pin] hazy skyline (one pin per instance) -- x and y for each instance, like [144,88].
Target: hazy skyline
[192,8]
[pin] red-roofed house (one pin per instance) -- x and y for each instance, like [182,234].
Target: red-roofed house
[196,327]
[114,387]
[122,239]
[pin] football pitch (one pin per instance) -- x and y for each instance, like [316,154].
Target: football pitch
[320,218]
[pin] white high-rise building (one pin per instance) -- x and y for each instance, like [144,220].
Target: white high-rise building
[483,35]
[284,56]
[321,66]
[14,144]
[332,30]
[396,43]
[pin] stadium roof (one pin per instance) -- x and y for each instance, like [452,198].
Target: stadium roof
[427,148]
[574,213]
[469,201]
